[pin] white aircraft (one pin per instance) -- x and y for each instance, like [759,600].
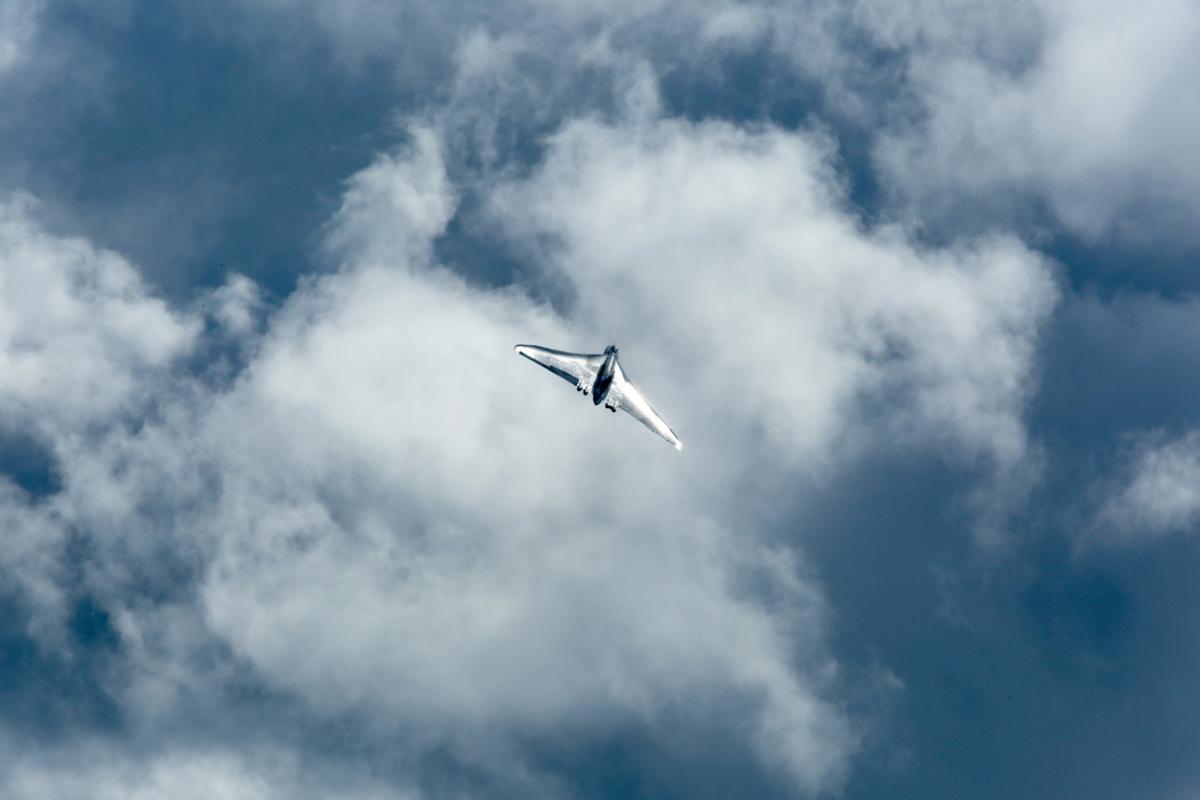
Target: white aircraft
[601,377]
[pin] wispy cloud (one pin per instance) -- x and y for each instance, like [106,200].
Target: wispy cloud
[1157,493]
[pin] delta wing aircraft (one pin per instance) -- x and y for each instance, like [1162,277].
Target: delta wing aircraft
[601,376]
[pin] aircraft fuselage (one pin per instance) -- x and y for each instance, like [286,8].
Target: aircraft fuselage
[604,378]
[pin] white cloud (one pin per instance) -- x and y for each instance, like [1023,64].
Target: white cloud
[82,343]
[391,517]
[30,566]
[392,210]
[394,520]
[1083,105]
[728,254]
[1092,112]
[100,771]
[237,305]
[415,527]
[78,329]
[1158,494]
[18,27]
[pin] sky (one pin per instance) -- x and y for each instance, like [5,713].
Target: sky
[283,516]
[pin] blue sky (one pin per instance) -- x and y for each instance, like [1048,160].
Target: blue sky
[283,516]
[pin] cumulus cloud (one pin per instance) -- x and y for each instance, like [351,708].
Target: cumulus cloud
[30,565]
[377,518]
[361,505]
[444,509]
[449,530]
[1088,111]
[82,343]
[971,109]
[392,210]
[388,517]
[237,305]
[78,328]
[1158,493]
[730,255]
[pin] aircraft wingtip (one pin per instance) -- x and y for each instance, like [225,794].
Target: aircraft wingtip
[679,445]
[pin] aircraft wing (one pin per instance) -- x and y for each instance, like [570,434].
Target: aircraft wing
[571,367]
[630,399]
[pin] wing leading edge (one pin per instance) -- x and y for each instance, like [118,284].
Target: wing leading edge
[631,399]
[571,367]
